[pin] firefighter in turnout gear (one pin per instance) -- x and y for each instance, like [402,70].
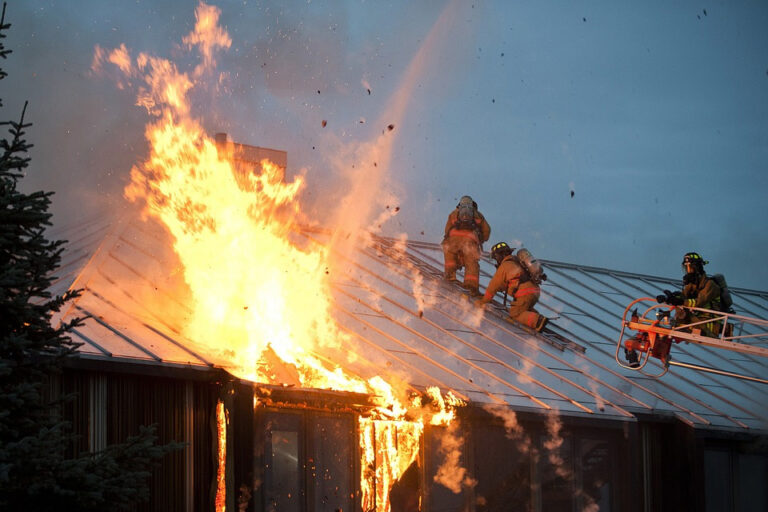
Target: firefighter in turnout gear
[699,291]
[513,275]
[465,232]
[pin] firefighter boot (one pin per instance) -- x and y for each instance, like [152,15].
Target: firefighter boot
[541,323]
[474,291]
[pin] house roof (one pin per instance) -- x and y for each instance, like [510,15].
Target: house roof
[404,320]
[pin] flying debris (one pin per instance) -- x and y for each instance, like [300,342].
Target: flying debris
[324,123]
[391,127]
[573,193]
[369,92]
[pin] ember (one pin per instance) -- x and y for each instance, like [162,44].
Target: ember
[234,232]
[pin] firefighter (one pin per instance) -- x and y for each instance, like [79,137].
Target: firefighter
[465,232]
[699,291]
[512,276]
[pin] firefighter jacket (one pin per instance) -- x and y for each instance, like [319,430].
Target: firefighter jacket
[510,276]
[702,292]
[480,234]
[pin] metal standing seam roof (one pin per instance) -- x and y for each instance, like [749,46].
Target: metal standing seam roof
[402,320]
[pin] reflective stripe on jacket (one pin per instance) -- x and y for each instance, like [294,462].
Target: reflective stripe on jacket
[704,293]
[508,273]
[527,288]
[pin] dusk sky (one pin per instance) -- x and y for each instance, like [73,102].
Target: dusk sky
[615,134]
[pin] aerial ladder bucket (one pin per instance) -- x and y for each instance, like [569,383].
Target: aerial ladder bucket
[650,330]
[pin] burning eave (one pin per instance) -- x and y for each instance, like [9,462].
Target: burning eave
[311,398]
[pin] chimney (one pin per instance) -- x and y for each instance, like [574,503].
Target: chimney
[221,139]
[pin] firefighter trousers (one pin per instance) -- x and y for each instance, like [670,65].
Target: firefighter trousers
[462,251]
[521,310]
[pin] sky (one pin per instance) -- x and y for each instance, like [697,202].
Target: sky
[611,134]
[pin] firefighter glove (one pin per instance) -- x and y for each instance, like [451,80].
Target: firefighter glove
[673,299]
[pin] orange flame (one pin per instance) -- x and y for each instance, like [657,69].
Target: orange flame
[255,289]
[221,471]
[388,447]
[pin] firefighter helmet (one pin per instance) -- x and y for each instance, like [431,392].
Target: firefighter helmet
[467,200]
[694,259]
[500,251]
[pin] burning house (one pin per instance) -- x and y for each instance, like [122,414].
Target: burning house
[416,401]
[312,368]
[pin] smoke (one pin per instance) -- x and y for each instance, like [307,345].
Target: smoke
[553,444]
[553,447]
[512,427]
[367,164]
[599,400]
[451,474]
[523,376]
[424,299]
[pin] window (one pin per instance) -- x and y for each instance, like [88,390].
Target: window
[751,491]
[283,464]
[502,470]
[331,465]
[308,461]
[555,476]
[576,475]
[735,481]
[595,473]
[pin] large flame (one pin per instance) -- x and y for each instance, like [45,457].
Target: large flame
[256,291]
[248,279]
[252,287]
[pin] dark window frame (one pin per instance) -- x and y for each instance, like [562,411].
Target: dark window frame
[302,422]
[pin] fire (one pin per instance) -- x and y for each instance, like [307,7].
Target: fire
[389,447]
[221,473]
[247,278]
[256,290]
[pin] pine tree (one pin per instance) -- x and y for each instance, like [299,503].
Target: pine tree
[35,473]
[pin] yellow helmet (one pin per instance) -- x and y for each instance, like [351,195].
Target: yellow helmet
[694,259]
[500,251]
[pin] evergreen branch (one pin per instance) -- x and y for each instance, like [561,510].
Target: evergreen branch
[3,52]
[12,165]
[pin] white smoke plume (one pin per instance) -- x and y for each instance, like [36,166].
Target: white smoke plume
[553,444]
[512,427]
[451,474]
[592,384]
